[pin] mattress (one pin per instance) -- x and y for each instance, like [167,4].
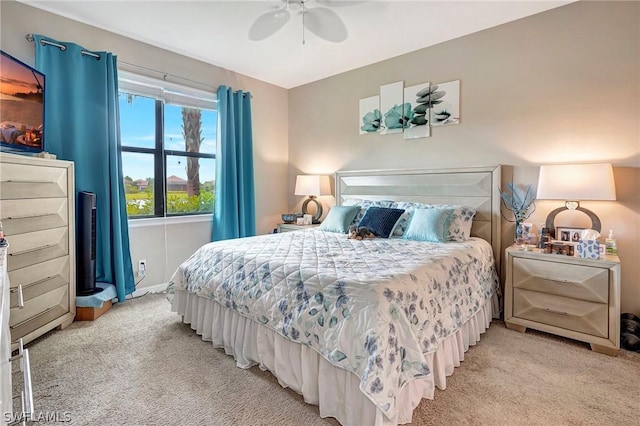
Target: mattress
[377,308]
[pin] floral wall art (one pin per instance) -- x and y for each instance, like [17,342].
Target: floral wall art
[412,111]
[392,108]
[370,117]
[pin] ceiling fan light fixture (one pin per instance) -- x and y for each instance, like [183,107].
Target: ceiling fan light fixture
[320,21]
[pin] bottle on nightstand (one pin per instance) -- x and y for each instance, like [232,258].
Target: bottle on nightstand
[610,245]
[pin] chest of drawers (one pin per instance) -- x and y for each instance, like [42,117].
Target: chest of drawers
[568,296]
[37,211]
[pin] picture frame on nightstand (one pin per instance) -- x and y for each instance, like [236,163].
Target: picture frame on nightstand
[568,234]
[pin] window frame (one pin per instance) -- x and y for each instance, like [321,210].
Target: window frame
[164,93]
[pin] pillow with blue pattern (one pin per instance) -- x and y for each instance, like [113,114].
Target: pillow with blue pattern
[380,220]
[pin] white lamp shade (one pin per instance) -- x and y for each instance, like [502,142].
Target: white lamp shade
[312,185]
[576,182]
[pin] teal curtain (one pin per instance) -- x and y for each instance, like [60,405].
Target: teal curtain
[82,125]
[234,209]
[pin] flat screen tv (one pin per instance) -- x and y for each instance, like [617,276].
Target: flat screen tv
[21,106]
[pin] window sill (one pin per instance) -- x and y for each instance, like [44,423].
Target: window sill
[174,220]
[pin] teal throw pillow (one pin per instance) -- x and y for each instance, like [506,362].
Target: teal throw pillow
[429,225]
[339,219]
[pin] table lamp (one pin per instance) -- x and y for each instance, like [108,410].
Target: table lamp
[574,183]
[313,186]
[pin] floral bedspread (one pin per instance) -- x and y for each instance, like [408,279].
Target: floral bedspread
[373,307]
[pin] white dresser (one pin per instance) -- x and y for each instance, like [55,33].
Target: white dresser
[37,210]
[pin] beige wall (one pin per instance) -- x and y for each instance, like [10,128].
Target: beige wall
[269,113]
[560,86]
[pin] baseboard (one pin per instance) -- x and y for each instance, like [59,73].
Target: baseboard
[141,291]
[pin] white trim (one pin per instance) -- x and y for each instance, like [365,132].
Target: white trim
[171,220]
[141,291]
[161,89]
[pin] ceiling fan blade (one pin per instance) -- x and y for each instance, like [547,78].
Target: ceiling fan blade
[268,24]
[326,24]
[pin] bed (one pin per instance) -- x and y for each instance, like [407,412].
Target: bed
[365,329]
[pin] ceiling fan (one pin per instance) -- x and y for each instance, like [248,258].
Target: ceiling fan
[321,21]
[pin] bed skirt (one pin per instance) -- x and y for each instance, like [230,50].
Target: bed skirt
[334,390]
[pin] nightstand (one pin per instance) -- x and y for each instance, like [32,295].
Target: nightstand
[569,296]
[290,227]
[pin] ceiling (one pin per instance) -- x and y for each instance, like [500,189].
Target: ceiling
[216,32]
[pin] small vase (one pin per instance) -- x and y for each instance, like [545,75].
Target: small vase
[520,234]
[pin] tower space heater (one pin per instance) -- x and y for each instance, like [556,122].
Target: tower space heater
[86,247]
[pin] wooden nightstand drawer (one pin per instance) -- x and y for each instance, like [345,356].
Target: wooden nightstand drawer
[579,282]
[571,314]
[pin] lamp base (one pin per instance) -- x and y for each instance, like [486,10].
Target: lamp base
[305,205]
[595,220]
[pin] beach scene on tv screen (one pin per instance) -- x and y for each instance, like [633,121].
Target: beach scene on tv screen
[21,104]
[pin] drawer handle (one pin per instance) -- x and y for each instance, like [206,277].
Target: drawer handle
[29,181]
[18,253]
[29,217]
[559,281]
[37,282]
[20,296]
[556,312]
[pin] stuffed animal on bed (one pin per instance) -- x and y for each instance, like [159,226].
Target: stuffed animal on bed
[357,233]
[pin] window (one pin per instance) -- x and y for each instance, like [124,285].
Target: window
[168,145]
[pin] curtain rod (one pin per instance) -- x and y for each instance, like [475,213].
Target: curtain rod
[165,75]
[62,47]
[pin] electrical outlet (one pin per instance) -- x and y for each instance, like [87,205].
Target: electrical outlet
[142,267]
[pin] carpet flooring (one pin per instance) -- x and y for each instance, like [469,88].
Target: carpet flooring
[139,365]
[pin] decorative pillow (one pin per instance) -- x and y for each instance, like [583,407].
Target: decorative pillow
[403,222]
[459,225]
[429,225]
[339,219]
[365,204]
[380,220]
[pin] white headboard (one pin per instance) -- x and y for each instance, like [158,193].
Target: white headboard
[476,187]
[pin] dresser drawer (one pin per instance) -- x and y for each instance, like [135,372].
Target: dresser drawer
[564,312]
[35,247]
[576,281]
[29,215]
[38,279]
[41,306]
[29,181]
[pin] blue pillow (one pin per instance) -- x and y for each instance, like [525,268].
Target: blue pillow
[380,220]
[429,225]
[339,219]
